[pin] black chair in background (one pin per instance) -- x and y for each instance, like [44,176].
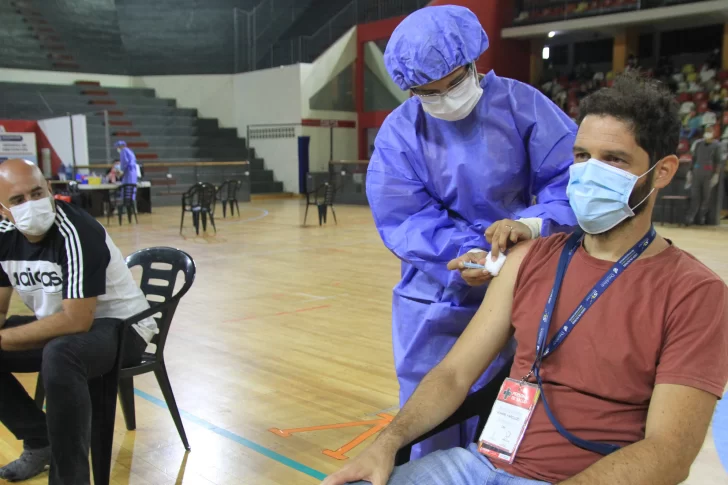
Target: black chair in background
[200,201]
[104,389]
[227,193]
[323,198]
[478,404]
[124,198]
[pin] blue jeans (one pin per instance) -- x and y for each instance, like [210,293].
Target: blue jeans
[456,466]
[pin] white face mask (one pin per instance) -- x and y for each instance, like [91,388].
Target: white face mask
[457,103]
[34,217]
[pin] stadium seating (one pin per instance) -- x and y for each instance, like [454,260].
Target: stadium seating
[156,129]
[540,11]
[139,37]
[703,103]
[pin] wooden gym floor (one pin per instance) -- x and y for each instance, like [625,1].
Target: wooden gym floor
[285,327]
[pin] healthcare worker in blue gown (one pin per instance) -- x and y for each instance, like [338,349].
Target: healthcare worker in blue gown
[127,165]
[465,154]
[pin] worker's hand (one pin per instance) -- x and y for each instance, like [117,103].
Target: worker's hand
[505,233]
[689,180]
[714,180]
[375,465]
[473,277]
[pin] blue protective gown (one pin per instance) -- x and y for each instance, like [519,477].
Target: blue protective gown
[435,186]
[128,165]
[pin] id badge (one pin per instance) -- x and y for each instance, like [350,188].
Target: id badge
[508,420]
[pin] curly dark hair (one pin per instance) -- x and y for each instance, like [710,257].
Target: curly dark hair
[646,105]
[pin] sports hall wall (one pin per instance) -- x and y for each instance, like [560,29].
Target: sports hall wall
[509,58]
[278,96]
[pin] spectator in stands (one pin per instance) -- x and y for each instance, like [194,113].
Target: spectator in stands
[451,166]
[691,125]
[72,277]
[704,176]
[714,61]
[716,102]
[664,69]
[635,379]
[583,72]
[549,74]
[632,63]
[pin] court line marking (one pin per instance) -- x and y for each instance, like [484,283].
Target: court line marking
[255,218]
[284,460]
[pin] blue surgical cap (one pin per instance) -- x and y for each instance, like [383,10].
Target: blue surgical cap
[431,43]
[120,144]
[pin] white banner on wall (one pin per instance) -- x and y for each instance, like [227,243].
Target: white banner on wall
[18,145]
[68,139]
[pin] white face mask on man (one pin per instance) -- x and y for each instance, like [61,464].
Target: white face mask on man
[34,217]
[457,103]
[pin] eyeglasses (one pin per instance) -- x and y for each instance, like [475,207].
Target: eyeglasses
[430,96]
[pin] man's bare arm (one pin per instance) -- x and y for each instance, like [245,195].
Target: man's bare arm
[677,423]
[76,317]
[445,387]
[6,293]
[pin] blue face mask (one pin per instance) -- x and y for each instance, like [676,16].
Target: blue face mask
[599,195]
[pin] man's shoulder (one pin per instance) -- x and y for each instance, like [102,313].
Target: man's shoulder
[549,244]
[689,272]
[8,235]
[7,229]
[532,256]
[73,218]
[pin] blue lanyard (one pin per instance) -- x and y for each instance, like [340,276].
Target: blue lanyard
[543,350]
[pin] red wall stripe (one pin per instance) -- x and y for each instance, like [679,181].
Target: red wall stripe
[336,123]
[147,156]
[126,133]
[41,141]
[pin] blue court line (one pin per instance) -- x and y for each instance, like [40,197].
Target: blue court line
[255,218]
[236,438]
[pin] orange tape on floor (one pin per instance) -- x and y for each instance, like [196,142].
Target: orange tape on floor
[377,425]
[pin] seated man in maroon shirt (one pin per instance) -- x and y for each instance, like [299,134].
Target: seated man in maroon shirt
[630,353]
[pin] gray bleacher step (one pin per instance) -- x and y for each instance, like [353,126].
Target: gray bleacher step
[174,134]
[266,187]
[73,89]
[261,176]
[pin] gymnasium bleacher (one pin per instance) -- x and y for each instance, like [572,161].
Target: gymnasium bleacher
[538,11]
[156,129]
[20,41]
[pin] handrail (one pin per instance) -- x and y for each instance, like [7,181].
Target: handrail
[348,162]
[176,164]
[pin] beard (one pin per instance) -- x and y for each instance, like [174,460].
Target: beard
[639,196]
[638,201]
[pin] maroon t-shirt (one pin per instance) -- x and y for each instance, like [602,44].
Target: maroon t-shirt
[663,321]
